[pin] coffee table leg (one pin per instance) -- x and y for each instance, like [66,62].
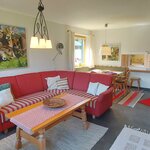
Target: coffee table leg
[42,140]
[18,139]
[84,118]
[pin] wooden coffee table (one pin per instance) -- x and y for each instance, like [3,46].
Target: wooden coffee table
[36,134]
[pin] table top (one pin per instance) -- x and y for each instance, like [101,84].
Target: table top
[37,116]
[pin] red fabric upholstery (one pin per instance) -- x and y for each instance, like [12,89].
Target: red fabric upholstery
[81,81]
[29,83]
[32,86]
[98,104]
[14,85]
[103,103]
[1,127]
[68,74]
[6,125]
[102,78]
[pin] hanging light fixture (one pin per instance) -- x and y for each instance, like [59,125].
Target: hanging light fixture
[105,49]
[40,38]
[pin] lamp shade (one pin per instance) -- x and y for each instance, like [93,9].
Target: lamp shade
[105,50]
[34,42]
[42,43]
[48,44]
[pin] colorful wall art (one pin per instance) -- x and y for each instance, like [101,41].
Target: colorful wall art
[13,50]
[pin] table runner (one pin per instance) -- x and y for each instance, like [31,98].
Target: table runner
[38,115]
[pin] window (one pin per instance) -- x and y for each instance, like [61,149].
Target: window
[79,50]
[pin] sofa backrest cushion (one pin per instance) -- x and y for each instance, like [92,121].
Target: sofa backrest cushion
[81,81]
[62,74]
[101,78]
[14,86]
[29,83]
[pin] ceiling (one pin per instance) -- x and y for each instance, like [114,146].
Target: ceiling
[87,14]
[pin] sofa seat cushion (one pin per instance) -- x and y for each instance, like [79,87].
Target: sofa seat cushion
[26,101]
[93,98]
[55,92]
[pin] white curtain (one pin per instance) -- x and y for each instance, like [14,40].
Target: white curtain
[71,49]
[89,61]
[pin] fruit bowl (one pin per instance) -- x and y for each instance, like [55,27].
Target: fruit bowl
[54,102]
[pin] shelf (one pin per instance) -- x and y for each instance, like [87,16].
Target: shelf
[144,71]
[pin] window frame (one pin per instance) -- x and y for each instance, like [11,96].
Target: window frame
[84,51]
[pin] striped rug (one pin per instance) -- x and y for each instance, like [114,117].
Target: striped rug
[128,97]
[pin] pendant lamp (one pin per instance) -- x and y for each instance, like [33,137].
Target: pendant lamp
[105,49]
[40,38]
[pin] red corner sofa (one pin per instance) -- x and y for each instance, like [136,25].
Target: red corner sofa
[32,88]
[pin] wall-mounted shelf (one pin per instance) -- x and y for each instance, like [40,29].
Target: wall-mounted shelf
[144,71]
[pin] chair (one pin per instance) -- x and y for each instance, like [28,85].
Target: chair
[135,79]
[121,82]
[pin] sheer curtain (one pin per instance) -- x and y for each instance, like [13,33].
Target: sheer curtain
[71,49]
[89,60]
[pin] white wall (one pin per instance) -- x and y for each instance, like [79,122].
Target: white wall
[132,40]
[38,60]
[145,80]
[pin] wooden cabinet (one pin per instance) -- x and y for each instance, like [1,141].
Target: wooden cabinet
[147,61]
[125,60]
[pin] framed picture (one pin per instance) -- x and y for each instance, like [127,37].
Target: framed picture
[13,50]
[114,54]
[137,60]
